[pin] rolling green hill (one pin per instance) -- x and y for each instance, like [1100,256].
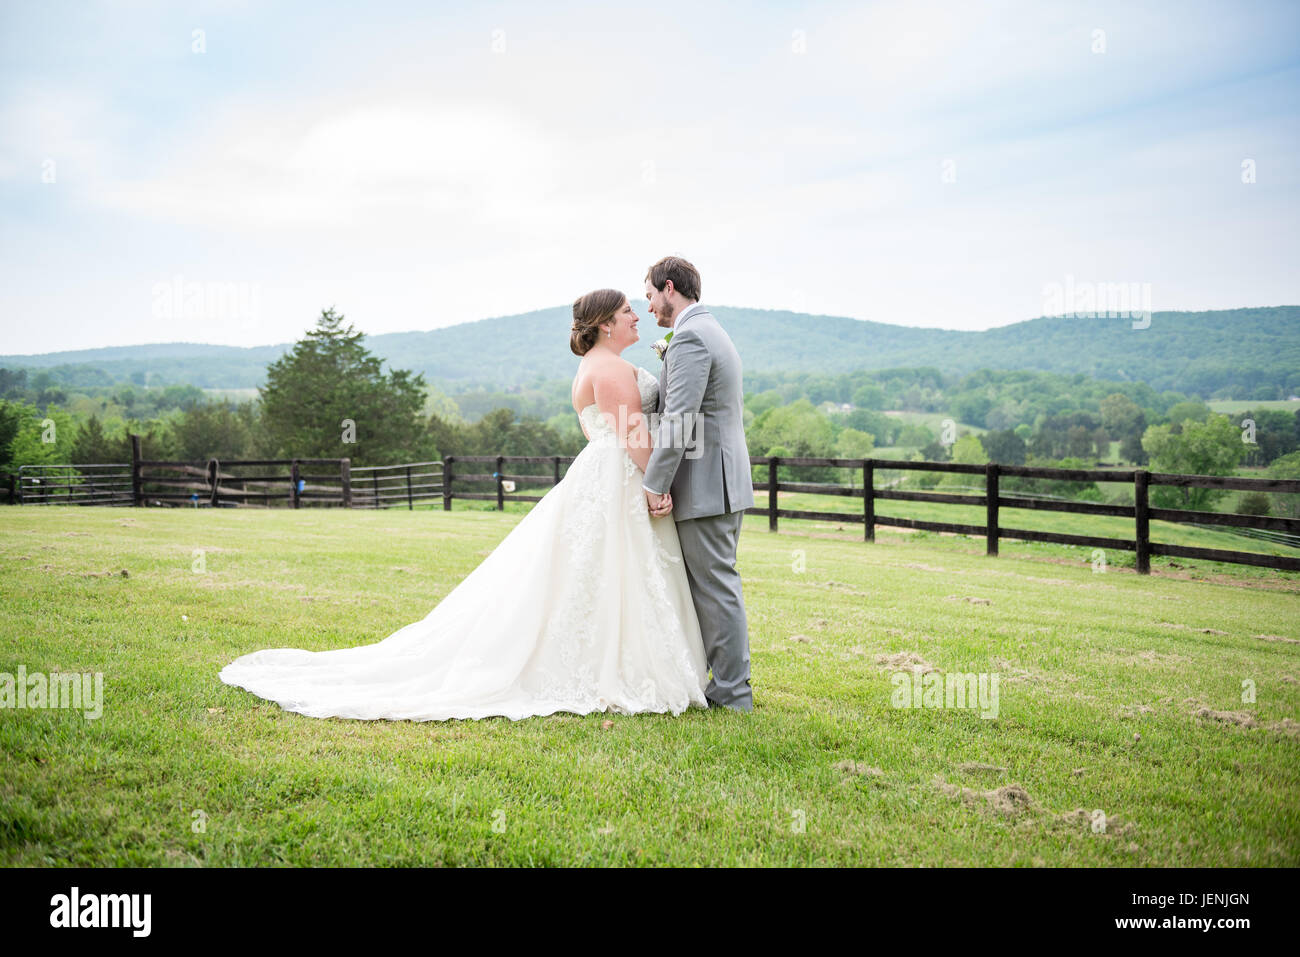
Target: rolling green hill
[1241,351]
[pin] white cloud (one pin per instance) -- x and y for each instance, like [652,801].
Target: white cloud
[393,165]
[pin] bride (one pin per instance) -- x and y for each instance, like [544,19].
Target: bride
[583,607]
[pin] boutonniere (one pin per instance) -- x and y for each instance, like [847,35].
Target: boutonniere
[661,346]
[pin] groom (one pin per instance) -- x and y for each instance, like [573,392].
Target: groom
[701,406]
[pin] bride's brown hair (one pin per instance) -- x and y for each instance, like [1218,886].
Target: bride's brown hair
[589,312]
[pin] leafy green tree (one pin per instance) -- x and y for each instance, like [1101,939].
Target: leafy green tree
[13,383]
[42,438]
[801,428]
[215,430]
[925,480]
[177,397]
[915,435]
[760,473]
[935,451]
[1121,416]
[1274,435]
[760,402]
[967,450]
[1193,410]
[852,444]
[1285,504]
[437,402]
[1004,447]
[447,437]
[1060,488]
[1005,415]
[1130,449]
[869,396]
[1212,447]
[157,440]
[11,418]
[329,398]
[972,407]
[94,446]
[1253,503]
[883,428]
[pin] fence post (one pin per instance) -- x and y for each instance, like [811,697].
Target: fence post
[410,503]
[374,488]
[293,478]
[991,514]
[557,469]
[501,489]
[869,498]
[446,483]
[345,478]
[214,475]
[771,492]
[1143,531]
[137,496]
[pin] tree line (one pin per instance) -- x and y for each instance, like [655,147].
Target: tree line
[330,397]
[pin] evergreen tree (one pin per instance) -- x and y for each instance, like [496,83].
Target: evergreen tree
[328,398]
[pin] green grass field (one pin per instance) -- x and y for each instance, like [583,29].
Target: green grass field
[1120,694]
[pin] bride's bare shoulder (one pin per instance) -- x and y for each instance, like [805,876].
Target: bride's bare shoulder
[600,372]
[606,368]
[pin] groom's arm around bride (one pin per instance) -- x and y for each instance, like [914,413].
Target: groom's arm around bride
[701,401]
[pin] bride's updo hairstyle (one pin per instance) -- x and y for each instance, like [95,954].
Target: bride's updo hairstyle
[589,312]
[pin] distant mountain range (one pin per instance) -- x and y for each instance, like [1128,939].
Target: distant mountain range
[1193,352]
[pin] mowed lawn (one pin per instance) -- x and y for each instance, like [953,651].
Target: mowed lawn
[1121,738]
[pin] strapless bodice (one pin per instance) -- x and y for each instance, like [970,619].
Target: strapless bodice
[599,429]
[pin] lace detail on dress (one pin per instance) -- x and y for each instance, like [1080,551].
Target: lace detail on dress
[573,631]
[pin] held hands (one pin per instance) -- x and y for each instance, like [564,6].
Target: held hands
[659,505]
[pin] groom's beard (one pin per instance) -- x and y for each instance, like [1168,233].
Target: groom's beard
[666,315]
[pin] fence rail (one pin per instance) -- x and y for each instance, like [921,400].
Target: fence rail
[334,482]
[70,485]
[392,486]
[1140,511]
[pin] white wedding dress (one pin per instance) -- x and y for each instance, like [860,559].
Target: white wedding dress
[583,607]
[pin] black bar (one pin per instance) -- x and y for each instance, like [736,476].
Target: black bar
[1141,522]
[991,494]
[772,488]
[869,500]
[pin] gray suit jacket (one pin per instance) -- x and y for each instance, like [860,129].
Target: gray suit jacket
[700,454]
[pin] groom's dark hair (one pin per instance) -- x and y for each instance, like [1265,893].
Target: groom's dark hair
[685,277]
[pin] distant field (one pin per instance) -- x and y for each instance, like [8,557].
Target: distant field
[1242,405]
[238,395]
[933,421]
[1121,736]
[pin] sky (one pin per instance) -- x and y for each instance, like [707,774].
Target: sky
[221,172]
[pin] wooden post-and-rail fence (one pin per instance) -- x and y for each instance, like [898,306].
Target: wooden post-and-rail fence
[992,531]
[334,482]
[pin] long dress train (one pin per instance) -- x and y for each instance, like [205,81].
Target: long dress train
[584,606]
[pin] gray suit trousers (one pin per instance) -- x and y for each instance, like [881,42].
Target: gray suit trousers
[709,553]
